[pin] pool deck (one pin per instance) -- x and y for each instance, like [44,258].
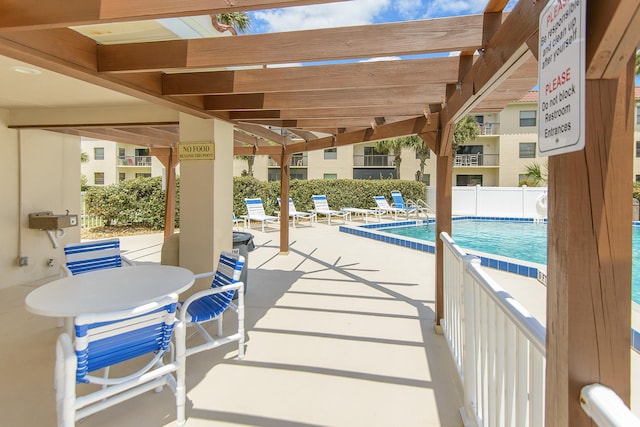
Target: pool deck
[340,333]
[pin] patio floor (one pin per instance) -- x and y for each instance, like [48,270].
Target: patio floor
[340,333]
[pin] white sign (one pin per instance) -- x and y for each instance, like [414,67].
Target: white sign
[561,69]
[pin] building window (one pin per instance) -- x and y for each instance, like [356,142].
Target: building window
[638,114]
[98,178]
[522,178]
[468,180]
[331,154]
[637,148]
[527,150]
[637,178]
[330,176]
[98,153]
[143,175]
[426,178]
[527,118]
[479,119]
[121,153]
[122,176]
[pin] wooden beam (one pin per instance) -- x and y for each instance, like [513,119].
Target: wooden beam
[325,113]
[415,126]
[264,133]
[285,159]
[615,24]
[393,96]
[321,77]
[401,38]
[169,159]
[35,14]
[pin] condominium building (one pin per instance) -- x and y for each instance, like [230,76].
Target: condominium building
[499,156]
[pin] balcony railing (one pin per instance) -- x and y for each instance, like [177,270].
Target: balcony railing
[144,161]
[295,162]
[374,160]
[488,129]
[478,159]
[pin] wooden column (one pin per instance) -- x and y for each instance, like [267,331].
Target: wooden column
[285,177]
[444,169]
[589,255]
[169,159]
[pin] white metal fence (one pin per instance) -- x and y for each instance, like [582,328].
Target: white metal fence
[86,220]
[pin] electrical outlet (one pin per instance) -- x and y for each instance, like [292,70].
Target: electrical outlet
[51,262]
[23,261]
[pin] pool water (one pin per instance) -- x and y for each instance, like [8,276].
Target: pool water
[526,241]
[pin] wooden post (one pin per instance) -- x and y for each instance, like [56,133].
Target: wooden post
[284,202]
[589,256]
[167,156]
[444,169]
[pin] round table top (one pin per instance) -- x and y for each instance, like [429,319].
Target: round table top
[107,290]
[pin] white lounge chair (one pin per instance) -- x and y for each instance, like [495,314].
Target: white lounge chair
[255,212]
[295,214]
[385,208]
[322,208]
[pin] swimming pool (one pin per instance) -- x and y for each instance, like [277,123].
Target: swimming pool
[512,239]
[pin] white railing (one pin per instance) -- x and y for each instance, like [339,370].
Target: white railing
[606,408]
[86,220]
[497,345]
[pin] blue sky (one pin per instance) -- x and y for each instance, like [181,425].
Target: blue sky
[361,12]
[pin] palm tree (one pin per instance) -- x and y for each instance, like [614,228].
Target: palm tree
[535,175]
[250,160]
[466,130]
[422,151]
[233,22]
[393,145]
[638,62]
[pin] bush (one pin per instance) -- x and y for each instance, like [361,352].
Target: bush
[140,202]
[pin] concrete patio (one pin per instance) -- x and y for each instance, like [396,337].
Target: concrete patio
[339,333]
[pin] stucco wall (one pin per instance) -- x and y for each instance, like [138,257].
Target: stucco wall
[41,172]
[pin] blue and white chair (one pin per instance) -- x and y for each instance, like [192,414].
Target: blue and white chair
[108,339]
[295,214]
[384,207]
[321,207]
[91,256]
[398,202]
[255,212]
[208,305]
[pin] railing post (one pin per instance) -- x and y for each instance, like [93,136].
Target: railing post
[469,352]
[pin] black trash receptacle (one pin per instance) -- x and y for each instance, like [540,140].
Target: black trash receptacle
[243,244]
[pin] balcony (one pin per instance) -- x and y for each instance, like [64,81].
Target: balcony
[489,129]
[373,160]
[295,162]
[139,161]
[475,160]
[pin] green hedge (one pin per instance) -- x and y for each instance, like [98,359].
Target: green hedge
[140,201]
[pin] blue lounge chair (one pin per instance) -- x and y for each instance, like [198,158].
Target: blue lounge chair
[410,206]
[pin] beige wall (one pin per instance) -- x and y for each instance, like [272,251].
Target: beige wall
[41,173]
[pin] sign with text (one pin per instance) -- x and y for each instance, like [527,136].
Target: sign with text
[196,151]
[561,79]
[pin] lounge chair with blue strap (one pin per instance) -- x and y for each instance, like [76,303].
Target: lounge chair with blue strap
[208,305]
[295,214]
[255,212]
[321,207]
[410,206]
[383,207]
[108,339]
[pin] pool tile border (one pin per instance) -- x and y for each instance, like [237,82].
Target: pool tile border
[369,231]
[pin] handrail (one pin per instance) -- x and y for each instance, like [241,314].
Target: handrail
[606,408]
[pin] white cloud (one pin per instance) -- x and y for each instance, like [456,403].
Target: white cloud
[409,9]
[437,8]
[342,14]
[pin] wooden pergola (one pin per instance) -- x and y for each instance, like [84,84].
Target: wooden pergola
[589,267]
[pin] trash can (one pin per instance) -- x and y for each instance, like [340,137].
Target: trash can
[243,244]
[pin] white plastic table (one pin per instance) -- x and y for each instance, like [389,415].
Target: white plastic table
[107,290]
[362,213]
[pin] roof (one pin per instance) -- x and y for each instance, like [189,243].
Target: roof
[233,78]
